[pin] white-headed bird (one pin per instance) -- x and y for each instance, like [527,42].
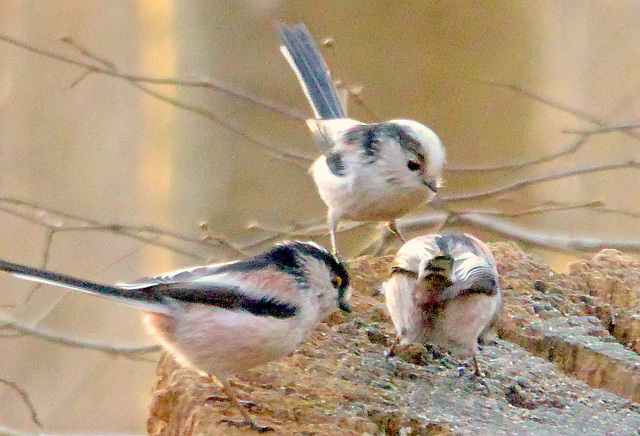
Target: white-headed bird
[368,172]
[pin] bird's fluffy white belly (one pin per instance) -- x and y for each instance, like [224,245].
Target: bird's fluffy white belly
[366,198]
[222,342]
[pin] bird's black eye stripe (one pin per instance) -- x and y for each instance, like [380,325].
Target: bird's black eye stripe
[413,166]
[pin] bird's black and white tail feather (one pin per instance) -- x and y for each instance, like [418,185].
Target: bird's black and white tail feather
[139,298]
[305,59]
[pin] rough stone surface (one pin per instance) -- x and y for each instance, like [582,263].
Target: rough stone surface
[585,321]
[350,378]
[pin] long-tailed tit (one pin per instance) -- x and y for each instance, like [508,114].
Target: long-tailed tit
[368,172]
[443,290]
[225,318]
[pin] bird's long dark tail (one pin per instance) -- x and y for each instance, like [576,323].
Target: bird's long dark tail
[307,62]
[135,297]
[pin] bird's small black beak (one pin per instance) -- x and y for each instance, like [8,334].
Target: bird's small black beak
[431,184]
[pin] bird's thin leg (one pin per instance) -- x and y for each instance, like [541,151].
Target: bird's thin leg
[332,223]
[476,365]
[392,225]
[248,420]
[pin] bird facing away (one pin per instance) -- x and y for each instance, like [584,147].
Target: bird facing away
[224,318]
[367,172]
[443,290]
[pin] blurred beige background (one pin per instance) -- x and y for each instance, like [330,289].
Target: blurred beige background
[104,150]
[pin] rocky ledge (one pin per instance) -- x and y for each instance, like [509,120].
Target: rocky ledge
[565,362]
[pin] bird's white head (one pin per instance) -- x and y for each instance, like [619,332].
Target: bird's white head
[420,141]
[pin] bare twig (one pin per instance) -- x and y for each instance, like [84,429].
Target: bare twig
[592,206]
[81,77]
[626,213]
[230,125]
[46,254]
[538,210]
[571,149]
[486,220]
[346,91]
[26,400]
[216,85]
[235,127]
[355,92]
[137,81]
[317,228]
[129,351]
[548,102]
[481,219]
[537,180]
[602,130]
[507,229]
[85,52]
[46,216]
[138,230]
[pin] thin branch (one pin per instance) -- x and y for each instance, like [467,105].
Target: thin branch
[232,126]
[548,102]
[119,259]
[26,400]
[46,253]
[129,230]
[538,210]
[86,53]
[81,77]
[534,181]
[595,206]
[602,130]
[113,229]
[626,213]
[276,234]
[317,228]
[43,216]
[355,93]
[136,81]
[509,230]
[235,127]
[128,351]
[346,91]
[209,84]
[149,240]
[298,230]
[490,221]
[573,148]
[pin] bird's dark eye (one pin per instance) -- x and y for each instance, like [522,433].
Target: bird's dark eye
[413,166]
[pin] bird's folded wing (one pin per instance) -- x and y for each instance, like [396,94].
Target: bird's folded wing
[225,296]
